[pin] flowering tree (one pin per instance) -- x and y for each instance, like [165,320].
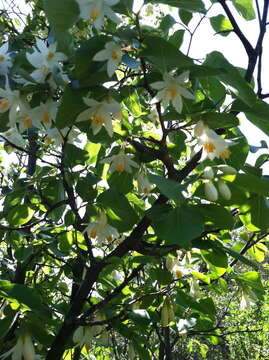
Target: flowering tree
[126,197]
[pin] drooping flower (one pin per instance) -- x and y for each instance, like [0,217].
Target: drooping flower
[9,101]
[5,62]
[99,113]
[144,186]
[248,299]
[227,169]
[26,117]
[167,313]
[44,59]
[224,190]
[211,192]
[121,162]
[195,288]
[213,145]
[113,54]
[172,89]
[101,231]
[22,350]
[96,10]
[14,137]
[45,113]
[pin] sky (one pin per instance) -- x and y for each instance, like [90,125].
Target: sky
[206,41]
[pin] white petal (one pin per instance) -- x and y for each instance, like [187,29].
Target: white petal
[111,67]
[101,56]
[85,115]
[157,85]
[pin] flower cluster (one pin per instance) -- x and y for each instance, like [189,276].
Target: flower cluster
[101,231]
[211,192]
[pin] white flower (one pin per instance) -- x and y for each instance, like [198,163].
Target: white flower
[113,54]
[57,137]
[99,113]
[224,190]
[172,89]
[45,113]
[121,162]
[5,62]
[211,193]
[101,230]
[213,144]
[26,118]
[248,299]
[44,55]
[208,173]
[14,137]
[96,10]
[44,59]
[83,336]
[23,350]
[117,275]
[144,186]
[195,288]
[9,100]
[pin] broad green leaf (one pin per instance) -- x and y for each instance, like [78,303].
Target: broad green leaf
[219,120]
[132,101]
[252,183]
[20,215]
[180,226]
[216,216]
[163,54]
[53,193]
[93,150]
[121,214]
[221,24]
[71,106]
[23,295]
[122,182]
[139,317]
[245,8]
[62,15]
[252,279]
[193,5]
[6,324]
[257,252]
[177,38]
[231,77]
[169,188]
[73,155]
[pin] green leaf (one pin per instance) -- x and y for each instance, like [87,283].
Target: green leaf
[73,155]
[171,189]
[231,76]
[252,279]
[122,182]
[221,25]
[216,216]
[219,120]
[245,9]
[163,54]
[20,215]
[121,214]
[71,106]
[179,226]
[62,15]
[132,101]
[23,295]
[193,5]
[93,150]
[139,317]
[177,38]
[6,324]
[53,193]
[253,183]
[185,16]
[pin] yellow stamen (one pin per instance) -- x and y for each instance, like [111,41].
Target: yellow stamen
[93,234]
[94,14]
[88,346]
[225,154]
[172,92]
[4,104]
[46,118]
[2,58]
[109,238]
[50,55]
[48,140]
[8,134]
[115,55]
[179,274]
[145,190]
[117,116]
[27,123]
[98,119]
[209,147]
[120,167]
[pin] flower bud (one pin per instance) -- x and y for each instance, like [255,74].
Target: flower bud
[131,352]
[165,316]
[224,190]
[211,192]
[227,170]
[28,351]
[208,173]
[78,334]
[171,314]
